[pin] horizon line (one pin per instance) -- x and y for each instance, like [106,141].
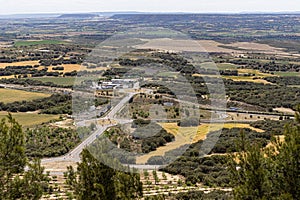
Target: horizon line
[155,12]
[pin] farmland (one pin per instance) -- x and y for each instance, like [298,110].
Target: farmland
[255,59]
[23,63]
[30,119]
[65,81]
[189,135]
[10,95]
[36,42]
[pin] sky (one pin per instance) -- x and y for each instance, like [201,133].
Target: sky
[196,6]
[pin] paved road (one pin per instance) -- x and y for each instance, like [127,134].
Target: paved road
[74,155]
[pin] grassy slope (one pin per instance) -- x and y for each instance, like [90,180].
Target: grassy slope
[188,135]
[9,95]
[37,42]
[30,119]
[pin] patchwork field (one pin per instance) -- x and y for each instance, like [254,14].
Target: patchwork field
[30,119]
[188,135]
[247,79]
[220,66]
[56,80]
[257,47]
[24,63]
[67,67]
[9,95]
[257,78]
[287,74]
[73,67]
[65,81]
[36,42]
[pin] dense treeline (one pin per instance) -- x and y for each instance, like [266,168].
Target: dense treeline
[32,82]
[265,67]
[285,81]
[48,141]
[55,104]
[265,96]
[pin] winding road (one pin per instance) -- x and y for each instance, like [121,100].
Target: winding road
[74,155]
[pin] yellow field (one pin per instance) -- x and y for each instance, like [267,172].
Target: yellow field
[259,75]
[30,119]
[67,67]
[8,77]
[72,67]
[9,95]
[247,79]
[24,63]
[188,135]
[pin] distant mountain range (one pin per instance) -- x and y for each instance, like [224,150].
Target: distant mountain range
[108,14]
[66,15]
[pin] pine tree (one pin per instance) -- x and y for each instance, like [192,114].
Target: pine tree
[270,173]
[94,180]
[15,182]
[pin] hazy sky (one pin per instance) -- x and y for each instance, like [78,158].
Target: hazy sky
[59,6]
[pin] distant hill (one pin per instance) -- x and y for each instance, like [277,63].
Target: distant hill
[22,16]
[83,15]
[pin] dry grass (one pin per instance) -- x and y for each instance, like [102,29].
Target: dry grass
[10,95]
[8,77]
[213,46]
[30,119]
[72,67]
[167,44]
[257,78]
[188,135]
[278,137]
[58,166]
[285,110]
[247,79]
[252,46]
[24,63]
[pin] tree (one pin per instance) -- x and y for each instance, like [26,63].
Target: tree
[33,183]
[270,173]
[15,183]
[286,158]
[94,180]
[12,142]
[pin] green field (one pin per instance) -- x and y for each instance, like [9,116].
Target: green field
[30,119]
[66,81]
[219,66]
[189,135]
[287,73]
[37,42]
[226,66]
[9,95]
